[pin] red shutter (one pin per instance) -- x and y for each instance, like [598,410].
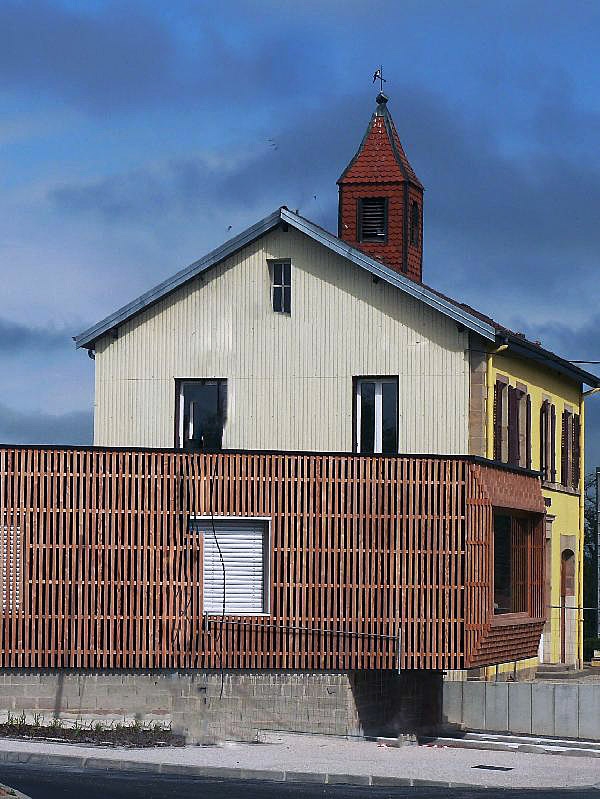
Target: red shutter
[576,452]
[498,397]
[564,450]
[528,431]
[544,430]
[552,444]
[513,426]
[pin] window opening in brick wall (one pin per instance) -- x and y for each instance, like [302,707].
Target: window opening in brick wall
[10,547]
[244,546]
[281,286]
[511,564]
[415,224]
[372,219]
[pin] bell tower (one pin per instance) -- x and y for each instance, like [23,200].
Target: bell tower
[380,208]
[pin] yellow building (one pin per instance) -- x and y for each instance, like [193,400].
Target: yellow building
[527,410]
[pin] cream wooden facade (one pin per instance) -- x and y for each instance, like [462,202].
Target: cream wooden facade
[289,377]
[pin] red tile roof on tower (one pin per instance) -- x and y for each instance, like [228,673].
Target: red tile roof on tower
[380,157]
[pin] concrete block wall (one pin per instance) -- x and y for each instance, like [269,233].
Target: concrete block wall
[562,710]
[208,706]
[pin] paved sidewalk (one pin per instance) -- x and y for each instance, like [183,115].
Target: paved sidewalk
[312,758]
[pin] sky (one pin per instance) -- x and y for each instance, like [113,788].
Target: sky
[137,136]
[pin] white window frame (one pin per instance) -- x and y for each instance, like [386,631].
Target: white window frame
[379,382]
[266,521]
[182,382]
[272,264]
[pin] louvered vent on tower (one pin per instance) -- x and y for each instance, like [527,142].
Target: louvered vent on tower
[372,219]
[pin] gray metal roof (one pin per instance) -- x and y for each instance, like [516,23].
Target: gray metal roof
[88,337]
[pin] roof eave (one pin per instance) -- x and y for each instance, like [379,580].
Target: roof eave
[88,338]
[534,352]
[378,269]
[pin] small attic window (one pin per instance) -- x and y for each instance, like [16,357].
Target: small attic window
[372,219]
[281,286]
[415,224]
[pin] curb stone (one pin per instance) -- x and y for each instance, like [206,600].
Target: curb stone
[76,762]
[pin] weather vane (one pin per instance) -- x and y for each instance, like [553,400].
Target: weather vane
[378,75]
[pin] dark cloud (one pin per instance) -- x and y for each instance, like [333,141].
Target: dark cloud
[592,432]
[127,55]
[106,58]
[16,338]
[19,427]
[575,343]
[289,165]
[520,215]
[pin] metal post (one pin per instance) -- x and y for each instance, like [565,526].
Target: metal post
[598,549]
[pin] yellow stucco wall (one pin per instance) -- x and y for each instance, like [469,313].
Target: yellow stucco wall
[543,383]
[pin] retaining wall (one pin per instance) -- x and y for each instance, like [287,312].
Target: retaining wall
[207,705]
[562,710]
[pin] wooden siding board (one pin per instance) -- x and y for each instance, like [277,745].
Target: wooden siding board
[367,554]
[280,368]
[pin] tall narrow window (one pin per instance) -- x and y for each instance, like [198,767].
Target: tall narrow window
[202,406]
[514,426]
[566,448]
[376,415]
[282,286]
[576,451]
[415,224]
[526,462]
[570,452]
[501,411]
[547,443]
[512,567]
[372,219]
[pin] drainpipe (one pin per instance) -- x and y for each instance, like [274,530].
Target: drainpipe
[489,416]
[584,394]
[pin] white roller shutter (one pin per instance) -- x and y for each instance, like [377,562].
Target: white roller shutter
[243,545]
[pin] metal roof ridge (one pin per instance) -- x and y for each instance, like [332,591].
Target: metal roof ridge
[416,290]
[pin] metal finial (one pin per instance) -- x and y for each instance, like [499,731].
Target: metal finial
[378,75]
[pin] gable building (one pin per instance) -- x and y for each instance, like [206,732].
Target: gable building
[289,338]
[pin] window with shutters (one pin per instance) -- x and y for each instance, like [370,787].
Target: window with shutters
[201,414]
[415,224]
[10,548]
[501,420]
[376,415]
[570,450]
[281,286]
[548,442]
[372,219]
[235,565]
[512,424]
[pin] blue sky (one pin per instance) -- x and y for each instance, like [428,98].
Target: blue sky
[134,137]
